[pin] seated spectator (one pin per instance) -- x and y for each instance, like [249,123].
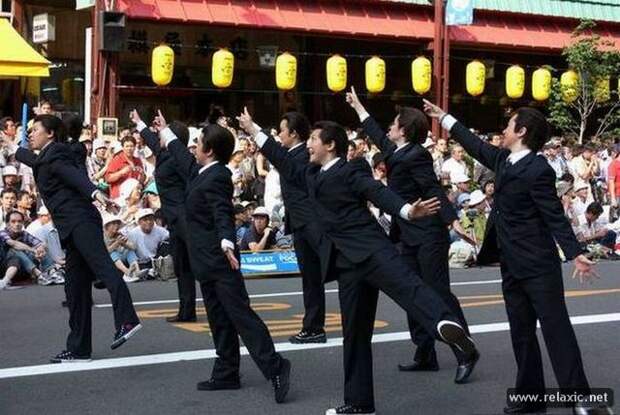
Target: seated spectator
[121,250]
[29,252]
[475,218]
[461,183]
[488,188]
[462,203]
[124,166]
[43,229]
[147,237]
[8,200]
[260,236]
[582,198]
[590,230]
[130,201]
[97,163]
[24,205]
[151,197]
[10,178]
[455,164]
[241,225]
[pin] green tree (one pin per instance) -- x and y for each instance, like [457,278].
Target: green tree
[594,60]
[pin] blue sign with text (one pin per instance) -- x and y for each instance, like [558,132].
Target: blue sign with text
[269,263]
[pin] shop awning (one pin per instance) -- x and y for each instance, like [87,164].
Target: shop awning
[17,57]
[363,18]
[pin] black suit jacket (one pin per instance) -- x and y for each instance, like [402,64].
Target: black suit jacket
[171,180]
[410,174]
[527,215]
[209,213]
[340,198]
[64,186]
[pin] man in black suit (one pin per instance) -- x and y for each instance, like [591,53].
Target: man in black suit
[214,260]
[525,223]
[68,194]
[355,249]
[300,220]
[424,242]
[172,185]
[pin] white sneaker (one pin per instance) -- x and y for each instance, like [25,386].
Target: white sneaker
[3,284]
[44,279]
[128,279]
[141,274]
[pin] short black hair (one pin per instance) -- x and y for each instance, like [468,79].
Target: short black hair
[73,126]
[220,140]
[594,208]
[22,193]
[52,124]
[414,124]
[8,190]
[298,123]
[567,177]
[589,147]
[215,112]
[536,126]
[180,130]
[333,132]
[377,159]
[7,218]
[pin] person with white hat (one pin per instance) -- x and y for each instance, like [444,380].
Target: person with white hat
[97,162]
[10,179]
[474,219]
[43,229]
[147,237]
[260,236]
[121,249]
[171,183]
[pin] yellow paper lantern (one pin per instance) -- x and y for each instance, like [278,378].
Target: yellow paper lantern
[515,82]
[421,75]
[222,68]
[541,84]
[569,82]
[375,75]
[162,65]
[336,68]
[286,71]
[602,91]
[475,75]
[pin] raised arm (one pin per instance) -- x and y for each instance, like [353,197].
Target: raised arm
[482,151]
[370,126]
[151,139]
[187,165]
[25,156]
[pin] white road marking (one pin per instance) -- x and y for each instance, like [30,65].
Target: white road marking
[161,358]
[287,294]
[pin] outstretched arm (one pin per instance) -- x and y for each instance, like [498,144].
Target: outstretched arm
[25,156]
[370,126]
[150,138]
[187,165]
[484,152]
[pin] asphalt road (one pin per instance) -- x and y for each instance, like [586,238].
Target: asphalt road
[156,371]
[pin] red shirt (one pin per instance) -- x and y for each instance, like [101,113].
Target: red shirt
[614,173]
[118,163]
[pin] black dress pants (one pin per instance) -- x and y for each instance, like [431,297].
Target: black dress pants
[87,260]
[542,298]
[186,283]
[312,283]
[230,316]
[359,287]
[430,261]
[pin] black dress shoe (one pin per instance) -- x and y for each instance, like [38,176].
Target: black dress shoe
[177,319]
[465,368]
[281,382]
[98,284]
[428,365]
[216,385]
[526,409]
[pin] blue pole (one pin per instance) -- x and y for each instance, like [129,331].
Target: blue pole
[24,142]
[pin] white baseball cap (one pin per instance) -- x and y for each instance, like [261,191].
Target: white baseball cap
[143,213]
[476,197]
[9,171]
[459,177]
[107,219]
[261,211]
[43,211]
[428,142]
[99,143]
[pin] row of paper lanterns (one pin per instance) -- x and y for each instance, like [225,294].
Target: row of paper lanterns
[222,70]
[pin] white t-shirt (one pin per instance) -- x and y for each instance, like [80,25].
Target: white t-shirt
[147,243]
[451,167]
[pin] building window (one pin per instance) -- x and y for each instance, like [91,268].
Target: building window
[6,6]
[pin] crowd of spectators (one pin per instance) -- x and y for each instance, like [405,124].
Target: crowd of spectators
[588,183]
